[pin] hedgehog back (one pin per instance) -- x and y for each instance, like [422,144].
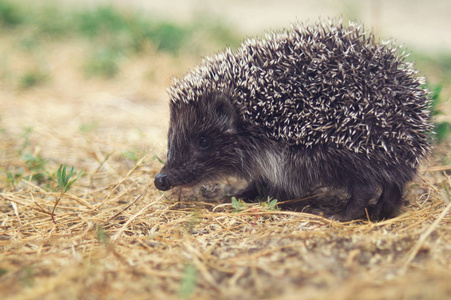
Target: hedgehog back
[321,86]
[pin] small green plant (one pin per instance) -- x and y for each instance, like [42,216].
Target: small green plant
[132,155]
[88,126]
[103,63]
[64,182]
[34,163]
[29,44]
[26,140]
[270,204]
[167,36]
[63,178]
[102,235]
[442,129]
[238,205]
[11,15]
[435,97]
[3,271]
[13,178]
[27,276]
[35,169]
[188,282]
[101,21]
[33,78]
[36,166]
[52,21]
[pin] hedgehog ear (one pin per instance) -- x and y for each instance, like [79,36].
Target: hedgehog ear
[225,112]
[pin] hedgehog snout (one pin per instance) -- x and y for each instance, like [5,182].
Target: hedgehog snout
[162,182]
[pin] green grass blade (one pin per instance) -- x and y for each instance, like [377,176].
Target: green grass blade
[58,176]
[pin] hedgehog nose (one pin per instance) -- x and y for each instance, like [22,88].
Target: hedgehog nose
[162,182]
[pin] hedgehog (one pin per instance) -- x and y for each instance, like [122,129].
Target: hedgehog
[313,105]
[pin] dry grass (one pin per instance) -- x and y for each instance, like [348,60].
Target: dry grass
[116,236]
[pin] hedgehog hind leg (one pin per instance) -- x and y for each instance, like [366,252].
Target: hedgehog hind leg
[389,202]
[361,194]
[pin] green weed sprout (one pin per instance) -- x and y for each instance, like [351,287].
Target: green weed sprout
[271,204]
[64,182]
[64,179]
[238,205]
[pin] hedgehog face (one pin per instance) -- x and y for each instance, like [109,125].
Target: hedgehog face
[203,142]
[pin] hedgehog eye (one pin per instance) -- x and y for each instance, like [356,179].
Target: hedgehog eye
[204,142]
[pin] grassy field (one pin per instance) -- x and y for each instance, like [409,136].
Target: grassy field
[87,89]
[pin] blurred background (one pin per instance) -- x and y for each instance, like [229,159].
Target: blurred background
[422,24]
[82,79]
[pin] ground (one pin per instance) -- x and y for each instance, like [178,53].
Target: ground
[114,235]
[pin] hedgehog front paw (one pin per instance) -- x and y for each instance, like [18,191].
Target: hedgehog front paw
[249,193]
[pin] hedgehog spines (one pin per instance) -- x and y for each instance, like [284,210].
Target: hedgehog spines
[321,85]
